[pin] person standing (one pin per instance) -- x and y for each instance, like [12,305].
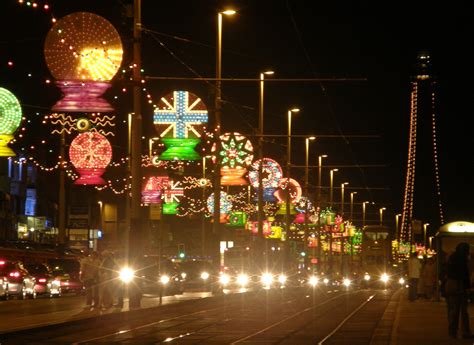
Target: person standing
[90,277]
[106,279]
[428,277]
[457,291]
[414,269]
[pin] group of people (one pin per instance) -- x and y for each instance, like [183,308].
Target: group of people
[99,274]
[455,286]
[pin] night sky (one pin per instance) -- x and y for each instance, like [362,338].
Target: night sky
[297,39]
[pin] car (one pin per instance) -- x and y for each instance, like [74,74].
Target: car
[46,282]
[160,276]
[67,272]
[200,276]
[19,282]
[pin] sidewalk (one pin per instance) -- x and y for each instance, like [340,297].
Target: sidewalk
[421,322]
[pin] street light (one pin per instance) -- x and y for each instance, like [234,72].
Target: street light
[306,170]
[260,214]
[425,227]
[288,169]
[331,178]
[352,206]
[203,198]
[320,165]
[397,235]
[363,213]
[306,177]
[342,197]
[217,107]
[381,214]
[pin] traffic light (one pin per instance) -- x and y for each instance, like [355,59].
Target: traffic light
[181,251]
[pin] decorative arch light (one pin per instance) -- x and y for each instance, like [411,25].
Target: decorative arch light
[236,153]
[181,112]
[225,204]
[90,153]
[10,119]
[272,175]
[83,51]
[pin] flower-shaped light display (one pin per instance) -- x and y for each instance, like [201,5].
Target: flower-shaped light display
[271,176]
[83,51]
[180,112]
[225,205]
[10,119]
[236,153]
[90,153]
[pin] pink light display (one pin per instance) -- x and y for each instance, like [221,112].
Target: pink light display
[90,153]
[154,189]
[84,96]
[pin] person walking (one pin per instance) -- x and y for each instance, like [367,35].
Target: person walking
[414,270]
[89,275]
[457,291]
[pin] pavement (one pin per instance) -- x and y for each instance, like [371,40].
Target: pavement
[422,322]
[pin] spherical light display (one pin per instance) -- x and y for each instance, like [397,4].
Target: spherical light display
[180,112]
[10,119]
[83,46]
[83,51]
[225,204]
[271,175]
[90,153]
[236,153]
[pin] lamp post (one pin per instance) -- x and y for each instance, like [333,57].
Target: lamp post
[425,227]
[342,234]
[342,197]
[331,179]
[217,106]
[306,177]
[350,234]
[351,214]
[203,216]
[363,213]
[320,167]
[288,170]
[260,214]
[397,235]
[381,214]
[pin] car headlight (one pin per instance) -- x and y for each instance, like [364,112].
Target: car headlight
[56,283]
[384,277]
[401,281]
[164,279]
[183,275]
[204,275]
[267,279]
[224,279]
[126,275]
[367,277]
[282,279]
[346,282]
[326,281]
[313,281]
[243,279]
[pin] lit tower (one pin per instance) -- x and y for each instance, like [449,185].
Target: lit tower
[422,139]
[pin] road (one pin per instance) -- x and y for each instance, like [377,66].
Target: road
[275,316]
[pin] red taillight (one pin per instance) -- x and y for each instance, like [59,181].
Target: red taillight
[2,262]
[14,274]
[42,280]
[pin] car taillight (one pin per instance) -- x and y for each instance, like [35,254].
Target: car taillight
[2,262]
[42,280]
[14,274]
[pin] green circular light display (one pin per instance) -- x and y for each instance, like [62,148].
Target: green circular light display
[10,112]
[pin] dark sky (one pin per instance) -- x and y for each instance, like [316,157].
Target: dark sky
[297,39]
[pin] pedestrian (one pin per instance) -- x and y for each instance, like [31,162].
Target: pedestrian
[414,269]
[89,275]
[457,291]
[106,279]
[428,278]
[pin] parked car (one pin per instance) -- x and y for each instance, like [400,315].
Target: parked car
[19,281]
[46,283]
[67,271]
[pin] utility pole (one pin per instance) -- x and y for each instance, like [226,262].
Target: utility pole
[62,191]
[136,240]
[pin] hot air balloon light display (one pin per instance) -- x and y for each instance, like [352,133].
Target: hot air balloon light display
[236,153]
[83,51]
[271,176]
[181,112]
[90,153]
[10,119]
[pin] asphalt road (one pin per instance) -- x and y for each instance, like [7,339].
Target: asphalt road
[275,316]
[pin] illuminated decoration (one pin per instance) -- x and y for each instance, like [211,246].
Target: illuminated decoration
[181,111]
[458,227]
[154,189]
[170,208]
[275,232]
[327,217]
[236,153]
[294,190]
[253,227]
[282,208]
[90,153]
[271,176]
[67,124]
[423,79]
[225,204]
[172,194]
[238,218]
[10,119]
[83,51]
[304,203]
[300,218]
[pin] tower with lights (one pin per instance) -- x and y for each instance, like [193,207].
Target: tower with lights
[422,197]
